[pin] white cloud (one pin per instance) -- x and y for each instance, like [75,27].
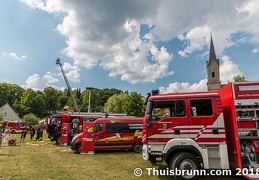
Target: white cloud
[49,78]
[185,87]
[255,50]
[14,55]
[108,33]
[72,72]
[196,40]
[228,70]
[34,82]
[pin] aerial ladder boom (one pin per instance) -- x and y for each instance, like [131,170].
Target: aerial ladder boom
[68,86]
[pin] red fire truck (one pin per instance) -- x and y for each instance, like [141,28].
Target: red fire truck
[71,121]
[111,134]
[15,126]
[204,130]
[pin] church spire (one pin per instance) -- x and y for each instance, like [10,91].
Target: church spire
[213,74]
[212,50]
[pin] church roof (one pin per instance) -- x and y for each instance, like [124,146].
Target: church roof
[212,53]
[212,50]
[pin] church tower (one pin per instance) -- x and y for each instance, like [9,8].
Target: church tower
[213,78]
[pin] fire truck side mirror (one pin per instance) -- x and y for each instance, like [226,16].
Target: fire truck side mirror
[149,117]
[148,125]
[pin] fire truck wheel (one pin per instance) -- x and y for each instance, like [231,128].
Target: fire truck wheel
[78,148]
[58,139]
[185,161]
[137,147]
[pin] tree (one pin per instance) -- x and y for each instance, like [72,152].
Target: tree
[106,93]
[63,99]
[94,101]
[239,78]
[31,119]
[10,93]
[51,99]
[1,115]
[115,103]
[32,102]
[39,107]
[133,106]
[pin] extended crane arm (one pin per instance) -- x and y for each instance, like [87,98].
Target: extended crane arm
[68,86]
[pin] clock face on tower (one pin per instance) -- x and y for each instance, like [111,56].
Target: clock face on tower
[213,68]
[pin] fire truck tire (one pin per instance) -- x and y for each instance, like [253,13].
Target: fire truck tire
[58,139]
[137,147]
[78,148]
[184,161]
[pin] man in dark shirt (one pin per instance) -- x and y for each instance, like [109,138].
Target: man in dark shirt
[52,129]
[32,132]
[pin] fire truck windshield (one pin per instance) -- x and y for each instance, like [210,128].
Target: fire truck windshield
[57,121]
[159,110]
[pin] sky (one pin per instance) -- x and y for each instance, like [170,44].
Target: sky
[133,46]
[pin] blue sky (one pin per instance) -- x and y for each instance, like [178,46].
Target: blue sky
[128,45]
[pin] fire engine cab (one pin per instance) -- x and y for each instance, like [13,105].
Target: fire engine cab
[204,130]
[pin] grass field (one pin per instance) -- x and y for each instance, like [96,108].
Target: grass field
[45,160]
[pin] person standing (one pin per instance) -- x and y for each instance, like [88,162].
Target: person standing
[52,129]
[23,135]
[32,132]
[41,133]
[38,133]
[71,135]
[1,136]
[7,133]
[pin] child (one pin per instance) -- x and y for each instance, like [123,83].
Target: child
[71,134]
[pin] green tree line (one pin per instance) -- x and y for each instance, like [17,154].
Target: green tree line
[50,100]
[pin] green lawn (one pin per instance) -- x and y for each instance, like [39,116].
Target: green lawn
[45,160]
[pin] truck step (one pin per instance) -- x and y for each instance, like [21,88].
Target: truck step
[214,157]
[156,153]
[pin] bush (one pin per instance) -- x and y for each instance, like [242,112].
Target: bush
[30,119]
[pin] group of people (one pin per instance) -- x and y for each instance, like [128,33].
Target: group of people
[5,134]
[38,132]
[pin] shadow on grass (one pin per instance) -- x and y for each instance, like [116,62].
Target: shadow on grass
[119,151]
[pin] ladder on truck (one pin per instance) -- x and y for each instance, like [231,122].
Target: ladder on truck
[68,86]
